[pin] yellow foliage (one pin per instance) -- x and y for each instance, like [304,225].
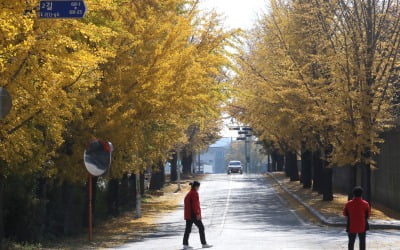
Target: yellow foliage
[136,73]
[313,77]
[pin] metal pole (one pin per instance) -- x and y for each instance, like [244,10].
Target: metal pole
[250,166]
[230,154]
[138,197]
[90,216]
[178,164]
[245,154]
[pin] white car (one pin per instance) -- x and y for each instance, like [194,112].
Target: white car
[235,167]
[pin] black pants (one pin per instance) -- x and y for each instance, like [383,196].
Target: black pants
[352,239]
[188,229]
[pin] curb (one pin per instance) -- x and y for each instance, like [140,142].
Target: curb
[325,221]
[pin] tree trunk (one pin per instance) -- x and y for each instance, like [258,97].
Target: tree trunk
[327,185]
[327,190]
[274,161]
[187,159]
[291,166]
[370,78]
[132,190]
[142,187]
[67,194]
[112,197]
[155,181]
[124,191]
[269,168]
[43,200]
[366,181]
[280,162]
[174,168]
[1,208]
[317,172]
[306,168]
[161,166]
[301,172]
[157,178]
[353,181]
[286,164]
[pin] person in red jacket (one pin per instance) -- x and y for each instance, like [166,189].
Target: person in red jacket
[193,215]
[357,211]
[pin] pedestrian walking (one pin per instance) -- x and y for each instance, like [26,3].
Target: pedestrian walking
[357,211]
[193,216]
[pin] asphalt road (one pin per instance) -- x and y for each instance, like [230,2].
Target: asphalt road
[244,212]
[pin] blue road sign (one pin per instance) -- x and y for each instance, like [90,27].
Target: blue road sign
[62,9]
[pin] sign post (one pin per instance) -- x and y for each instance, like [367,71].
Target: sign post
[62,9]
[97,158]
[90,216]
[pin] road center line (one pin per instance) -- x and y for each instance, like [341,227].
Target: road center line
[228,199]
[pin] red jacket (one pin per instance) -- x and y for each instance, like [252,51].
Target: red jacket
[192,205]
[358,211]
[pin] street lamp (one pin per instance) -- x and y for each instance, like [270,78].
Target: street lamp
[247,132]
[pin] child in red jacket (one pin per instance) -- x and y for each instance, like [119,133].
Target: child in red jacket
[193,215]
[357,211]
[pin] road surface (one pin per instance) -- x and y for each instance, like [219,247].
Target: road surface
[244,212]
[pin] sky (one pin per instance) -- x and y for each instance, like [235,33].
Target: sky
[238,14]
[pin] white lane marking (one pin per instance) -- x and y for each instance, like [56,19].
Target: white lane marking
[228,199]
[303,223]
[286,203]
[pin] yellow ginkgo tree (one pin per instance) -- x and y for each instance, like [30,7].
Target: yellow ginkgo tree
[320,76]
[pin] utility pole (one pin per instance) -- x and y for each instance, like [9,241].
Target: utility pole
[245,155]
[138,197]
[231,153]
[247,132]
[249,154]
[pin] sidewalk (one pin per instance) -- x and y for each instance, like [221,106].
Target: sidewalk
[329,213]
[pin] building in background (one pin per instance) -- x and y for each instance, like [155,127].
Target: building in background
[211,161]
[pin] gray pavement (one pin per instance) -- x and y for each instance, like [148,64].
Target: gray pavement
[244,212]
[336,220]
